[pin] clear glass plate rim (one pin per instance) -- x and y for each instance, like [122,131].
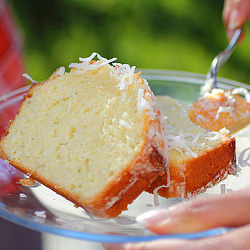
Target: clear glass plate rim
[103,237]
[149,74]
[178,75]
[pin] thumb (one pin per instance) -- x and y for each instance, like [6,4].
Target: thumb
[228,210]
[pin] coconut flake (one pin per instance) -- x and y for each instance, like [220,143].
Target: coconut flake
[41,214]
[104,60]
[122,69]
[212,136]
[124,73]
[180,143]
[224,131]
[206,88]
[124,124]
[243,92]
[156,196]
[123,96]
[29,77]
[143,104]
[201,118]
[223,109]
[85,64]
[61,71]
[151,132]
[122,84]
[88,59]
[131,75]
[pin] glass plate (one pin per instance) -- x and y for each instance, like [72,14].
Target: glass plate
[41,209]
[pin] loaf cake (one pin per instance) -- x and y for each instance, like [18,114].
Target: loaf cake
[222,108]
[93,135]
[197,158]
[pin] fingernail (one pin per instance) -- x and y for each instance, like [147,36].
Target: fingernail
[230,34]
[234,20]
[153,217]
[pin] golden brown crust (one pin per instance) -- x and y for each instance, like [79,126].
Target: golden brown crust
[198,173]
[146,167]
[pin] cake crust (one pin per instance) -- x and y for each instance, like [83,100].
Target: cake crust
[197,174]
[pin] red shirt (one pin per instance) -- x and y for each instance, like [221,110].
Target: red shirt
[11,64]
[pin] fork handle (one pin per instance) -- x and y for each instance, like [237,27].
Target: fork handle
[235,39]
[229,49]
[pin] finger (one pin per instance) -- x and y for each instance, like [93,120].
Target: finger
[230,34]
[235,14]
[236,239]
[228,6]
[199,214]
[152,245]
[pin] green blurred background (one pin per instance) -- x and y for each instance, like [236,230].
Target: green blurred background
[161,34]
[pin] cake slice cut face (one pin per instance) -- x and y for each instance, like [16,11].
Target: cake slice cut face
[93,135]
[198,158]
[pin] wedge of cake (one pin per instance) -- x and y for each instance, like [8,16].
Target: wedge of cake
[222,108]
[93,135]
[197,158]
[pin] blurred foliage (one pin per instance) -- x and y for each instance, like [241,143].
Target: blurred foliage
[164,34]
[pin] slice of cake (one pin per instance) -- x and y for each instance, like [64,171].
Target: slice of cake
[222,108]
[93,135]
[197,158]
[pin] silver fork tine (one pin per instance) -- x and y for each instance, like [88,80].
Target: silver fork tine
[220,59]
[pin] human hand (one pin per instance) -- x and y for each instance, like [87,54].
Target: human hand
[235,14]
[227,210]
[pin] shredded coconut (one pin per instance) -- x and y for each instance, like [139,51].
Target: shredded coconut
[212,136]
[124,73]
[124,124]
[224,110]
[123,96]
[29,77]
[143,105]
[41,214]
[207,86]
[88,59]
[151,132]
[180,141]
[61,71]
[243,92]
[156,196]
[86,65]
[224,131]
[201,118]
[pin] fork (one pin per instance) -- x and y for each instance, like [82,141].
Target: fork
[218,61]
